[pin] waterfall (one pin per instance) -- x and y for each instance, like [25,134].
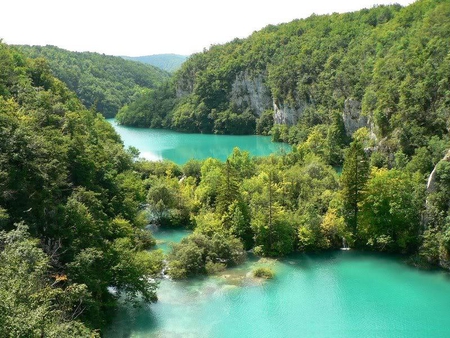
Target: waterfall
[344,244]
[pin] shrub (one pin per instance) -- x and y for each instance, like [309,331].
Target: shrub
[263,272]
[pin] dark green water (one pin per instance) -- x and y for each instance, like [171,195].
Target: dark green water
[338,294]
[158,144]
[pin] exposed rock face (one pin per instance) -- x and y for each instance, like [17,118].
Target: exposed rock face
[444,257]
[431,184]
[185,85]
[353,120]
[251,92]
[287,114]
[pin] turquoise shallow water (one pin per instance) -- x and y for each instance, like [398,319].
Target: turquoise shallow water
[165,236]
[158,144]
[336,294]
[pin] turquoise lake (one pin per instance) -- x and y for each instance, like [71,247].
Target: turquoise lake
[158,144]
[336,294]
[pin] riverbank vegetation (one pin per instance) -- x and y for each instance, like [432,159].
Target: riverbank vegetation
[295,202]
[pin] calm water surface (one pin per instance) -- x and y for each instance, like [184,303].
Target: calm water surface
[165,236]
[338,294]
[158,144]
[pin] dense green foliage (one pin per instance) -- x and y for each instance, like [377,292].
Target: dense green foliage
[263,272]
[32,303]
[65,175]
[436,237]
[199,254]
[167,62]
[297,202]
[72,200]
[104,83]
[354,177]
[389,65]
[391,59]
[149,108]
[273,205]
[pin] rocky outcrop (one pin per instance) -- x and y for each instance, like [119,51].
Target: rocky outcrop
[184,87]
[431,184]
[286,113]
[428,217]
[353,119]
[250,91]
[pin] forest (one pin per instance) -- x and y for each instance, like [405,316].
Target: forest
[368,90]
[71,222]
[103,82]
[382,60]
[74,204]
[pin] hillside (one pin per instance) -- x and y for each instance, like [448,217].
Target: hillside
[384,68]
[368,89]
[100,81]
[70,225]
[168,62]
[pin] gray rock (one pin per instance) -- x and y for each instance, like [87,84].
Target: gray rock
[288,114]
[353,119]
[431,184]
[250,91]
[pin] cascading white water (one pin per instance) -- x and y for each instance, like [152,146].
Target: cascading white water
[344,244]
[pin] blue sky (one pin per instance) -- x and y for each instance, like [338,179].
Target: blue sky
[139,27]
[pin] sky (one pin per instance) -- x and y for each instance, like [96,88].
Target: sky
[139,27]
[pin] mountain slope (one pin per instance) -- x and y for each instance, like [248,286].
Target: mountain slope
[167,62]
[384,68]
[70,226]
[101,81]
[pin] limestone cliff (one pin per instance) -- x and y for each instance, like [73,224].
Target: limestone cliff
[185,84]
[284,113]
[352,116]
[250,91]
[431,184]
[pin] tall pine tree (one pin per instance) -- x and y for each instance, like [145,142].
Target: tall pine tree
[228,191]
[353,180]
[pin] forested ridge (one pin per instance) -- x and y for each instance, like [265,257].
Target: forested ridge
[72,237]
[390,64]
[103,82]
[369,90]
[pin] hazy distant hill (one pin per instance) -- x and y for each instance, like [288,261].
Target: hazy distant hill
[106,82]
[167,62]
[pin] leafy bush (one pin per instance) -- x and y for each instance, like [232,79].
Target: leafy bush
[263,272]
[200,254]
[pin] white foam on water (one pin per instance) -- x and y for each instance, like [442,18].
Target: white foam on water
[151,156]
